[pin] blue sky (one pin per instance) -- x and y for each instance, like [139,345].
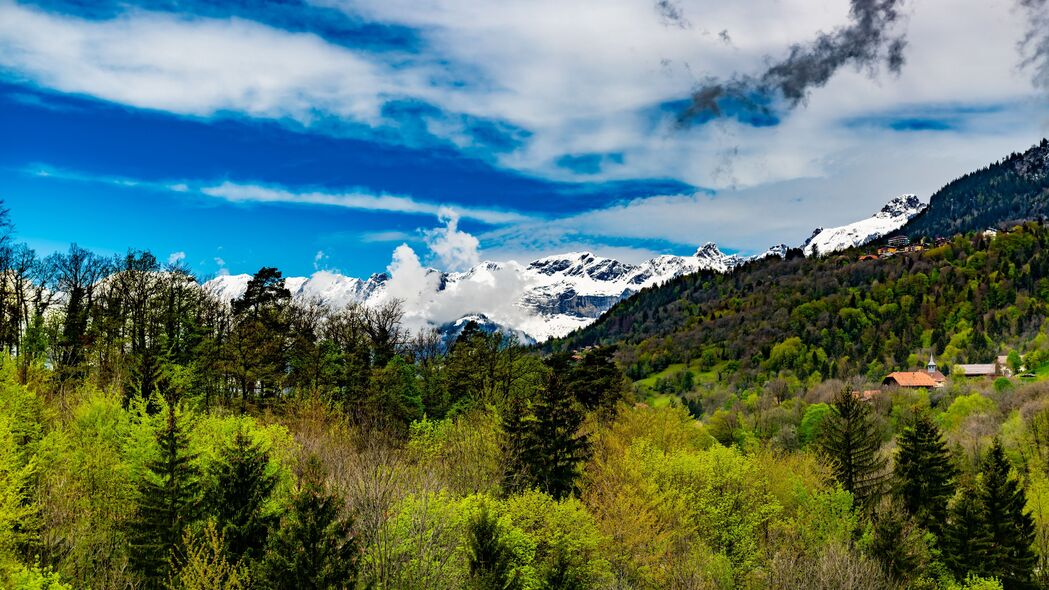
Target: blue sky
[323,134]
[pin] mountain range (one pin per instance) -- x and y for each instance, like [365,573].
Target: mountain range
[552,296]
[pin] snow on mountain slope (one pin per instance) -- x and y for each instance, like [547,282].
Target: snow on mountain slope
[891,218]
[548,297]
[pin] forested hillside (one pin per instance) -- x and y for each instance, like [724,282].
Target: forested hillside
[1014,189]
[810,319]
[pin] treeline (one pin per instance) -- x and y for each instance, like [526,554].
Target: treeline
[810,319]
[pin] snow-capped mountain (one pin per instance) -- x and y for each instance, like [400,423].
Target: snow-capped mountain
[551,296]
[548,297]
[892,217]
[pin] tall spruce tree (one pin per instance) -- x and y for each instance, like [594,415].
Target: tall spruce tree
[168,501]
[314,547]
[242,484]
[1010,527]
[851,442]
[924,475]
[966,539]
[552,447]
[518,456]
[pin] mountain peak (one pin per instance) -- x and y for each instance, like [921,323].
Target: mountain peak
[902,206]
[894,215]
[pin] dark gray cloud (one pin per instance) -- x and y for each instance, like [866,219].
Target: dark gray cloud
[869,41]
[1035,45]
[672,14]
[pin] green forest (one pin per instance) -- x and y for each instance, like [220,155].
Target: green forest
[712,433]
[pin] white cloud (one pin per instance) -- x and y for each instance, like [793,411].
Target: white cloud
[457,250]
[253,193]
[385,236]
[319,258]
[580,77]
[195,66]
[176,258]
[223,270]
[235,192]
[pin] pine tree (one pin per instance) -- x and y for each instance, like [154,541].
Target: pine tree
[314,547]
[924,473]
[544,449]
[242,485]
[168,502]
[966,538]
[554,446]
[850,440]
[1010,527]
[491,561]
[516,452]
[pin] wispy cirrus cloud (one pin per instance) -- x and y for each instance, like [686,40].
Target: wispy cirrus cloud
[252,193]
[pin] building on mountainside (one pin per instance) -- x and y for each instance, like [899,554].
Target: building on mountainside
[911,380]
[868,257]
[990,233]
[1004,368]
[931,377]
[999,368]
[899,242]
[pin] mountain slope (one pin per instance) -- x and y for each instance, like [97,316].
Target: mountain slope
[548,297]
[1013,189]
[836,316]
[894,215]
[551,296]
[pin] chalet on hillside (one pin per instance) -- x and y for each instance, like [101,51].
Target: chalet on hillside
[930,378]
[911,380]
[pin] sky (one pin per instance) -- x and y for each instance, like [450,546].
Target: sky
[329,134]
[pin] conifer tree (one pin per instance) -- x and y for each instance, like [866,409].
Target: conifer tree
[553,444]
[168,502]
[517,456]
[924,473]
[851,442]
[242,485]
[966,538]
[1010,527]
[314,547]
[491,561]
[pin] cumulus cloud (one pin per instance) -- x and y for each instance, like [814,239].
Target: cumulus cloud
[223,269]
[494,289]
[176,258]
[455,249]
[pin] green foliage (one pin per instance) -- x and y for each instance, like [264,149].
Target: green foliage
[836,316]
[963,407]
[491,560]
[924,474]
[314,547]
[851,442]
[1010,526]
[546,449]
[24,578]
[168,502]
[809,430]
[242,484]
